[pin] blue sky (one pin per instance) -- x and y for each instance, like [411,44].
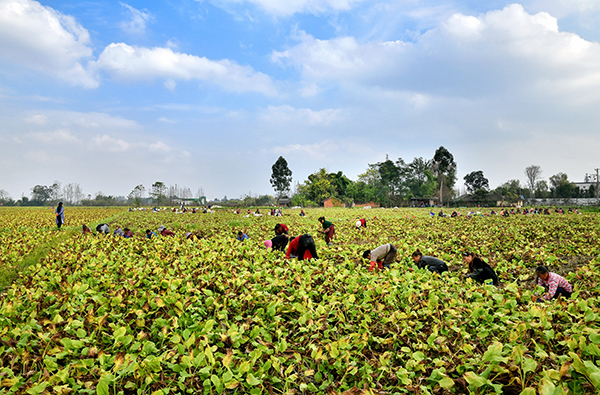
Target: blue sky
[209,93]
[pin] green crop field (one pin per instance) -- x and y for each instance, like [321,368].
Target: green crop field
[85,314]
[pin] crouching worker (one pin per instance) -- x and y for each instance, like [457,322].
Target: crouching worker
[381,256]
[302,247]
[430,263]
[556,285]
[479,270]
[279,242]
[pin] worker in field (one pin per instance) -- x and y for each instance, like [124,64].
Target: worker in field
[127,233]
[361,223]
[434,265]
[302,247]
[150,234]
[277,243]
[328,229]
[241,236]
[103,228]
[165,232]
[556,285]
[118,231]
[479,270]
[281,229]
[60,215]
[86,230]
[381,257]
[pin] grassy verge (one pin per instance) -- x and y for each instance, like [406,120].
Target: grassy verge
[37,254]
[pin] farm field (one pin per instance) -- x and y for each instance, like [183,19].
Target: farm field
[107,315]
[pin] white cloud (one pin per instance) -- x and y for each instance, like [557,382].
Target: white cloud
[316,150]
[159,146]
[38,119]
[56,137]
[309,90]
[130,63]
[136,24]
[38,156]
[287,114]
[42,39]
[465,55]
[110,144]
[290,7]
[165,120]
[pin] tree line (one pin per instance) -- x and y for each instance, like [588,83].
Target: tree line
[400,183]
[72,194]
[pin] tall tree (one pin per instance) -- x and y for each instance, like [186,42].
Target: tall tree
[40,194]
[158,192]
[561,187]
[137,194]
[475,181]
[445,170]
[534,174]
[281,177]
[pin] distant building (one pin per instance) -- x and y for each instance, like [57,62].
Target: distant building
[588,181]
[423,202]
[333,202]
[284,202]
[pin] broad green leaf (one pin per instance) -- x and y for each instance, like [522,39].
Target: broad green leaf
[102,388]
[446,382]
[475,380]
[529,365]
[250,379]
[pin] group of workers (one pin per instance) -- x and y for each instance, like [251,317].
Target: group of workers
[303,247]
[382,257]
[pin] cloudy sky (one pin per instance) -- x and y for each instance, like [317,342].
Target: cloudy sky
[209,93]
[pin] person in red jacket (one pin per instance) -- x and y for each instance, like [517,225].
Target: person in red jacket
[302,247]
[165,232]
[361,223]
[281,229]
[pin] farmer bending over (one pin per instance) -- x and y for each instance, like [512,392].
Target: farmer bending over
[479,270]
[328,229]
[302,247]
[381,256]
[430,263]
[555,285]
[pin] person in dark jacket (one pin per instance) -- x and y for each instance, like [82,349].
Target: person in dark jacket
[60,215]
[479,270]
[430,263]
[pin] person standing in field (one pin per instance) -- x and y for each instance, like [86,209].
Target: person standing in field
[556,285]
[328,229]
[60,215]
[303,247]
[430,263]
[479,270]
[381,256]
